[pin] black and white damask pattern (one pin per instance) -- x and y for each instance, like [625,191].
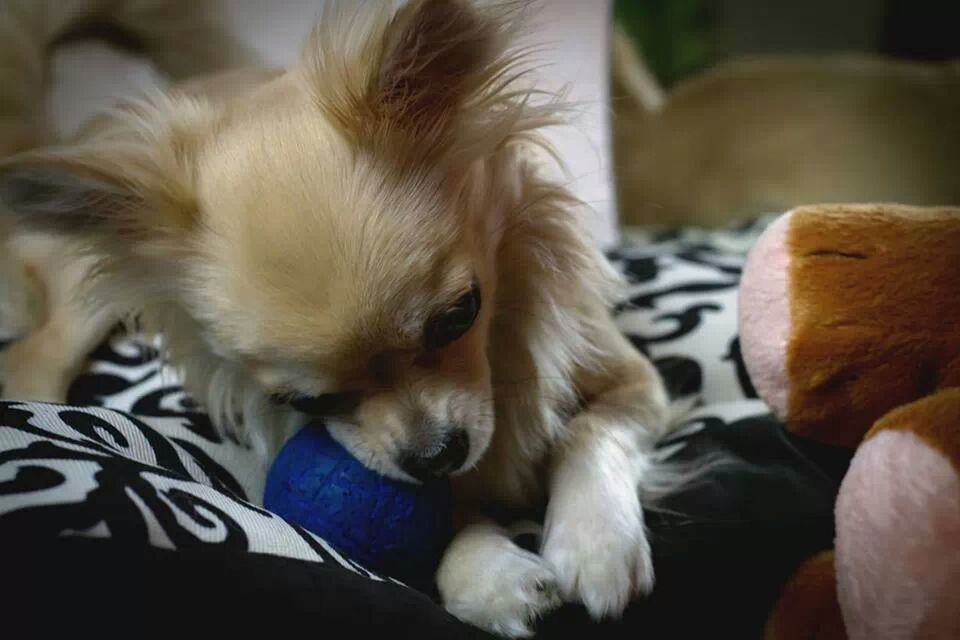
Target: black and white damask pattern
[133,459]
[682,313]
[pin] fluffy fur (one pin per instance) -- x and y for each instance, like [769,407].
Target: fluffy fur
[292,232]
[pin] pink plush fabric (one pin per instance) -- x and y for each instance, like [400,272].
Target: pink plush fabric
[764,312]
[898,541]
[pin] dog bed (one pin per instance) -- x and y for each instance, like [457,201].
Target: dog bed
[125,507]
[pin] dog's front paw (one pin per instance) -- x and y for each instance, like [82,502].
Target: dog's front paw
[488,581]
[601,556]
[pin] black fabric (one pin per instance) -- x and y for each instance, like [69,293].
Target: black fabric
[85,586]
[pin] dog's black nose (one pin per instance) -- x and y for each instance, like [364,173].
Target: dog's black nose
[445,457]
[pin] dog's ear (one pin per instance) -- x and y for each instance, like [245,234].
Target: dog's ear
[127,190]
[435,54]
[93,194]
[375,74]
[62,194]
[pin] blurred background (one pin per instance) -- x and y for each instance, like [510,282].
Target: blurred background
[683,37]
[724,110]
[716,111]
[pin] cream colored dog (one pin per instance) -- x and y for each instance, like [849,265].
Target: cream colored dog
[375,236]
[763,135]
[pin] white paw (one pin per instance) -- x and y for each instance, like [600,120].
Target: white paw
[495,585]
[601,557]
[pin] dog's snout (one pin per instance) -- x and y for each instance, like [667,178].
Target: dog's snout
[445,457]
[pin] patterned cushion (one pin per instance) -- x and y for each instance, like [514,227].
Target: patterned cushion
[133,461]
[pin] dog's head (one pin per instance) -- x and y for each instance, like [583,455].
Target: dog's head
[332,233]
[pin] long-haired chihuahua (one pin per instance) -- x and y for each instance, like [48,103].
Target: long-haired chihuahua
[377,235]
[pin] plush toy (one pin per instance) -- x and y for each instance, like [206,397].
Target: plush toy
[396,528]
[850,330]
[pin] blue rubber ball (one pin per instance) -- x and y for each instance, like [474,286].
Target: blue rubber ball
[394,528]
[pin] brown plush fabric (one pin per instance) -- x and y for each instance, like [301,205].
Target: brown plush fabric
[808,608]
[935,419]
[875,314]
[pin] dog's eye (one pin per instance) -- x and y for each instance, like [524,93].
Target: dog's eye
[328,404]
[450,325]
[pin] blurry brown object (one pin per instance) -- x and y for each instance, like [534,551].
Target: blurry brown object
[762,135]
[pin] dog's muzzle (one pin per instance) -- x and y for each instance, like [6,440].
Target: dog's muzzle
[440,460]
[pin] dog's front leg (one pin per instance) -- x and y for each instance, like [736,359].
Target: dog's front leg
[485,579]
[42,365]
[595,538]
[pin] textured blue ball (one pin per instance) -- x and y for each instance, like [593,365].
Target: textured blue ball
[391,527]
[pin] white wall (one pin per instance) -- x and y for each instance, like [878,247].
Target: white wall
[577,33]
